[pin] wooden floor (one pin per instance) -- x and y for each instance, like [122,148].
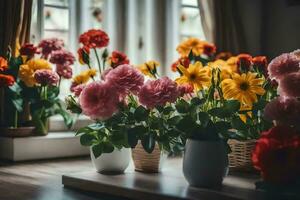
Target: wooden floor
[41,180]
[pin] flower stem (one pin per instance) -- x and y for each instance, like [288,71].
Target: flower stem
[98,60]
[16,119]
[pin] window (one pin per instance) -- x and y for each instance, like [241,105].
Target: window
[190,21]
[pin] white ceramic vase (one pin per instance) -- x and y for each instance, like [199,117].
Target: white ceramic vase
[112,163]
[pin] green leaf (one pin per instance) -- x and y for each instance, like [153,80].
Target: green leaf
[148,143]
[204,118]
[132,140]
[68,119]
[232,106]
[196,101]
[173,120]
[97,150]
[108,148]
[18,104]
[182,106]
[238,124]
[186,124]
[167,110]
[87,139]
[83,130]
[141,113]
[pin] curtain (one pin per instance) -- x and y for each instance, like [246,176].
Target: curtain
[144,30]
[222,25]
[15,17]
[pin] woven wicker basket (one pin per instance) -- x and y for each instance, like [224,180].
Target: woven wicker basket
[240,157]
[147,162]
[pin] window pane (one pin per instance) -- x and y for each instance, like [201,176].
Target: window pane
[97,13]
[56,18]
[57,2]
[57,34]
[190,23]
[190,2]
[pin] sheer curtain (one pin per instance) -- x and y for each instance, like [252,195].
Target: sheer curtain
[144,29]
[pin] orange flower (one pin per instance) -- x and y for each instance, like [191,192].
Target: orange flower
[223,55]
[6,80]
[244,62]
[209,49]
[184,61]
[83,55]
[260,63]
[3,64]
[192,44]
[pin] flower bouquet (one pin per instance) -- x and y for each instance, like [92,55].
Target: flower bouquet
[277,151]
[35,91]
[127,111]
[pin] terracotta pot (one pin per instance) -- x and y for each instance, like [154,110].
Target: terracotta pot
[148,162]
[17,132]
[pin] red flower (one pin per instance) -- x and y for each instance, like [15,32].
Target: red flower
[118,58]
[223,55]
[261,64]
[28,50]
[184,61]
[3,64]
[94,38]
[84,55]
[277,155]
[209,49]
[6,80]
[244,62]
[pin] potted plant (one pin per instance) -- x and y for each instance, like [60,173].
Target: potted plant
[206,120]
[40,83]
[11,102]
[250,123]
[277,151]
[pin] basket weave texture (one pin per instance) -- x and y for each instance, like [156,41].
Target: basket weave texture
[240,156]
[146,162]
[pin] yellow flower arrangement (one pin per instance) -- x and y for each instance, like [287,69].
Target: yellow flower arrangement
[244,117]
[27,70]
[224,68]
[232,63]
[244,87]
[196,75]
[149,68]
[85,76]
[192,44]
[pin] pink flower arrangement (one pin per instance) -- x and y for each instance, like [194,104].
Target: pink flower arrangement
[185,89]
[62,57]
[158,92]
[99,100]
[289,85]
[125,79]
[282,65]
[46,77]
[283,111]
[78,89]
[49,45]
[64,71]
[28,50]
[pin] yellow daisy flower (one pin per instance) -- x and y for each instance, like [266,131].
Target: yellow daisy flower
[27,70]
[85,76]
[232,63]
[244,117]
[149,68]
[222,66]
[196,75]
[244,87]
[193,44]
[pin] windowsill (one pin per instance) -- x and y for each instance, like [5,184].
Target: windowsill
[54,145]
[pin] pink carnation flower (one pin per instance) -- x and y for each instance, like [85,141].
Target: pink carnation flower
[158,92]
[49,45]
[98,100]
[283,111]
[78,89]
[185,89]
[125,79]
[62,57]
[46,77]
[296,53]
[64,71]
[283,65]
[289,85]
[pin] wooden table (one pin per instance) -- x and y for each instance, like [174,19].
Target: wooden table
[168,185]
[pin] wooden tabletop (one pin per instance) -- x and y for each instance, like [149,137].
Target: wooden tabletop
[168,185]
